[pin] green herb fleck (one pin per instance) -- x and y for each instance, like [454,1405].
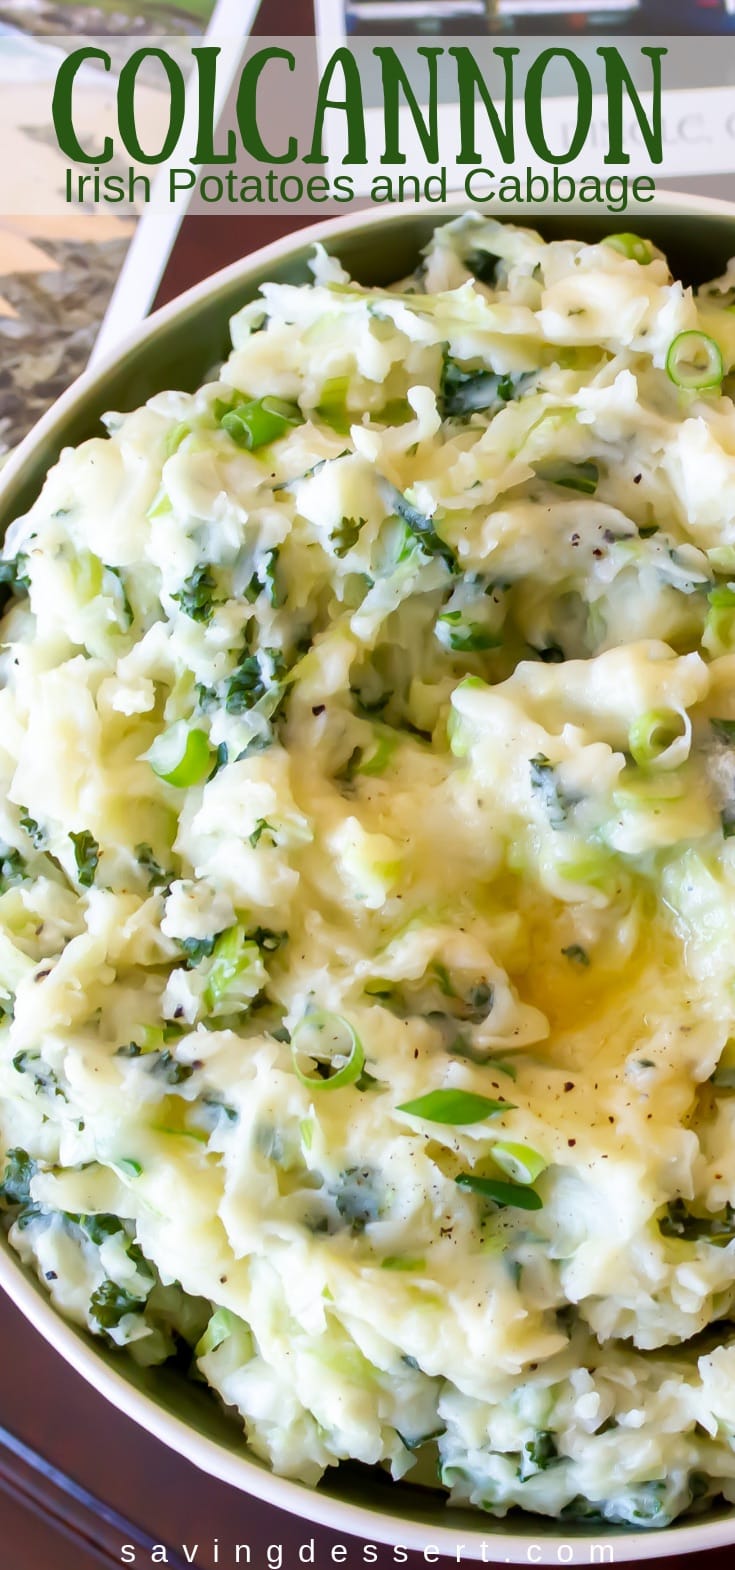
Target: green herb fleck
[197,949]
[576,954]
[86,855]
[346,534]
[196,597]
[110,1303]
[157,878]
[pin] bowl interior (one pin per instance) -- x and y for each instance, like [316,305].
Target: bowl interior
[179,350]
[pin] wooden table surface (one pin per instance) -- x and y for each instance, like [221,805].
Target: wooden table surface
[48,1407]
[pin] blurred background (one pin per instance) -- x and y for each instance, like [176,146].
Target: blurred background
[540,16]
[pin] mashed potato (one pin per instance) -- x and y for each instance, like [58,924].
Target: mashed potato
[367,925]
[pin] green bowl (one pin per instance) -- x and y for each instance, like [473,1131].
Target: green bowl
[177,347]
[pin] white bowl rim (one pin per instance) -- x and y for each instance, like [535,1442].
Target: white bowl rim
[211,1457]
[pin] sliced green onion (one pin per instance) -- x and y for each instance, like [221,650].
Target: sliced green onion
[694,362]
[180,756]
[221,1325]
[332,405]
[464,636]
[722,557]
[377,761]
[237,973]
[454,1106]
[652,734]
[86,574]
[592,864]
[331,1041]
[198,1135]
[521,1163]
[128,1167]
[501,1193]
[402,1262]
[160,505]
[719,626]
[632,246]
[260,420]
[174,437]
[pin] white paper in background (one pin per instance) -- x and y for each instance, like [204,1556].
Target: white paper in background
[699,123]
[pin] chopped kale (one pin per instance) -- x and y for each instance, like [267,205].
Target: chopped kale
[166,1067]
[110,1303]
[262,827]
[359,1197]
[44,1079]
[196,597]
[157,878]
[537,1455]
[221,760]
[100,1227]
[12,868]
[38,836]
[197,949]
[13,575]
[483,266]
[215,1110]
[245,686]
[545,780]
[265,579]
[258,743]
[86,855]
[420,526]
[346,534]
[15,1188]
[679,1222]
[473,392]
[248,683]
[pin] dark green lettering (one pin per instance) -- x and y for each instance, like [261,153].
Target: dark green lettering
[247,107]
[126,105]
[204,152]
[618,79]
[351,105]
[471,81]
[534,97]
[61,107]
[395,82]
